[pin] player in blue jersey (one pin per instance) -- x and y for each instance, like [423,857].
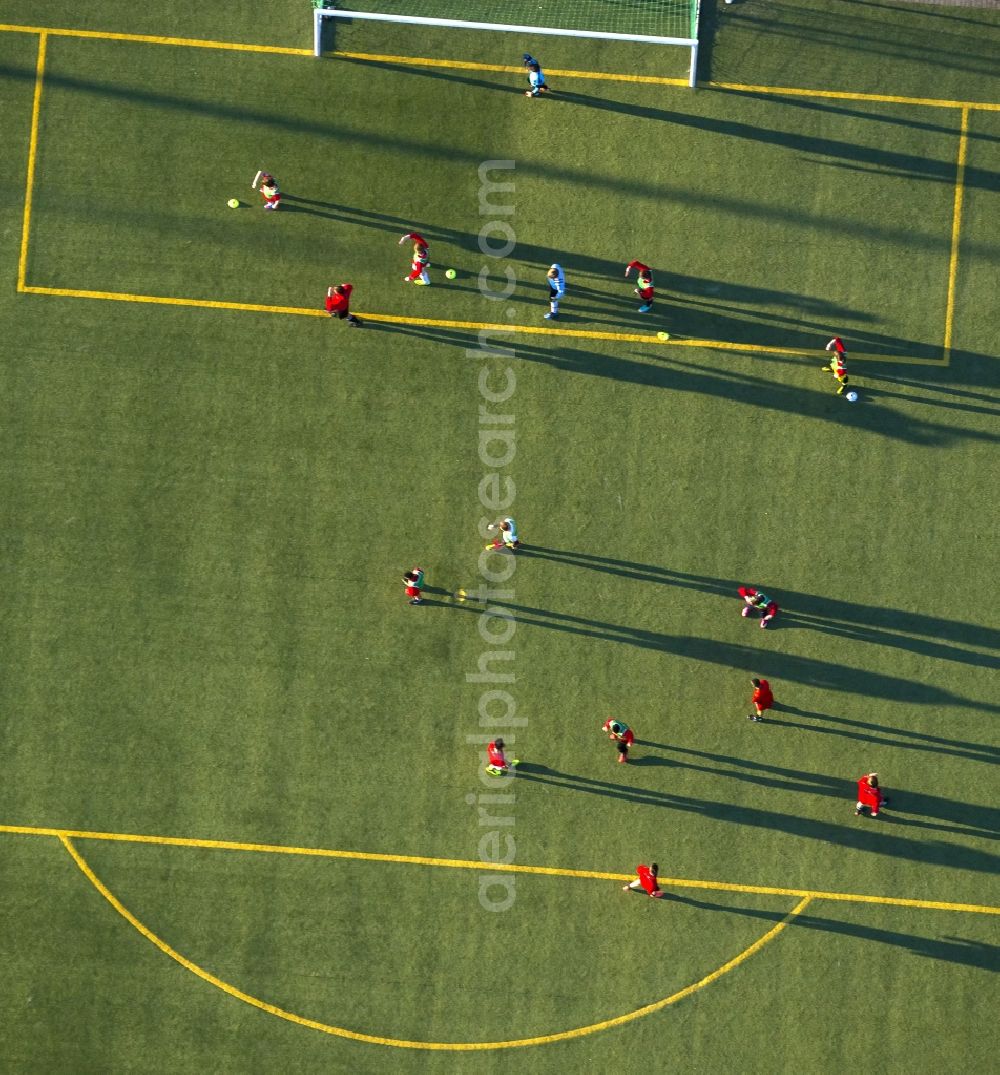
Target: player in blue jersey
[536,77]
[557,289]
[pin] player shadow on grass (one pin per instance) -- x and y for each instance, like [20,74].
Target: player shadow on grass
[828,615]
[884,736]
[924,401]
[656,367]
[811,671]
[971,953]
[907,119]
[503,82]
[827,150]
[906,807]
[578,176]
[873,836]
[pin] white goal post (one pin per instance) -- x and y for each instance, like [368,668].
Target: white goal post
[321,13]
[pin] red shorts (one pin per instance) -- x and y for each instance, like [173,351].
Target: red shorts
[412,591]
[645,293]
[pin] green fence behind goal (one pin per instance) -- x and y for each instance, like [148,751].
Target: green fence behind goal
[655,18]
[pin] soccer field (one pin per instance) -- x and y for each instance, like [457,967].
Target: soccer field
[244,824]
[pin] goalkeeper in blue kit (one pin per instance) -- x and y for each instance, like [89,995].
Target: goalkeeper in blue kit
[536,77]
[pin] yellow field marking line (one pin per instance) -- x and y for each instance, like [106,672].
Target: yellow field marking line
[956,231]
[506,69]
[402,1043]
[153,39]
[620,337]
[844,95]
[170,300]
[463,65]
[417,322]
[476,864]
[29,184]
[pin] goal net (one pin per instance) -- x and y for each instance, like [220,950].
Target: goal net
[654,22]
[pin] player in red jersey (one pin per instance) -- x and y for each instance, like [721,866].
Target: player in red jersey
[621,734]
[838,363]
[421,259]
[645,290]
[269,191]
[762,698]
[870,795]
[498,764]
[646,881]
[338,304]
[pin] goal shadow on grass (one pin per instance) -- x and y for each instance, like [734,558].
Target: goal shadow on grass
[874,836]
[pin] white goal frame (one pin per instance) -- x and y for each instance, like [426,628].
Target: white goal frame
[321,13]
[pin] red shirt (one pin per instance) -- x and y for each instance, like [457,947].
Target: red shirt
[496,756]
[337,304]
[420,255]
[762,695]
[867,795]
[647,879]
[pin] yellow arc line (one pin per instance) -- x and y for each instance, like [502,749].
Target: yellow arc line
[29,183]
[956,231]
[402,1043]
[477,864]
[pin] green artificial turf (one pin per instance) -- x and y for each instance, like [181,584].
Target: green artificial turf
[207,513]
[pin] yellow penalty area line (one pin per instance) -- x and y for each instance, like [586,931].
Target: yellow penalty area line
[846,95]
[415,322]
[956,231]
[476,864]
[506,69]
[29,185]
[464,65]
[153,39]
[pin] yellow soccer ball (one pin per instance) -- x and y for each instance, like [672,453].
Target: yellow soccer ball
[233,203]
